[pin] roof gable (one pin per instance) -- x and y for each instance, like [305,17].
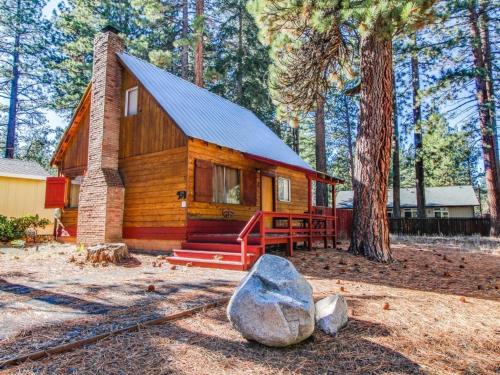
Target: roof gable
[204,115]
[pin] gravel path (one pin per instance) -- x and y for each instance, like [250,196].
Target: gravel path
[49,296]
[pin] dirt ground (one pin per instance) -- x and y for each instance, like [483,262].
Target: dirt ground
[442,316]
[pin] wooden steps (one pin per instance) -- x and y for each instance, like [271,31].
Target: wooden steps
[215,251]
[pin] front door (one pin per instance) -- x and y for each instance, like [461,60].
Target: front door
[267,197]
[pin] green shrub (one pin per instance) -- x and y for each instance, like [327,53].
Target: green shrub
[15,227]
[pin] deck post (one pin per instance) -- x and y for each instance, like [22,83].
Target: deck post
[334,221]
[290,238]
[262,231]
[244,253]
[309,210]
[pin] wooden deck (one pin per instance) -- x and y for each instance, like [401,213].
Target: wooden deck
[239,251]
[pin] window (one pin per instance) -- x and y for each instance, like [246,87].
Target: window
[410,213]
[441,212]
[131,96]
[74,191]
[284,189]
[226,185]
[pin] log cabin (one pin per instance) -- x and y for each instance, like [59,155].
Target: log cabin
[154,161]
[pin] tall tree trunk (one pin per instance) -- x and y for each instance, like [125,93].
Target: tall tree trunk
[10,143]
[185,47]
[321,189]
[417,123]
[484,31]
[370,235]
[396,176]
[349,138]
[198,56]
[295,140]
[487,136]
[239,68]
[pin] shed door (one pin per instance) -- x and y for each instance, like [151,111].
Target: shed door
[267,197]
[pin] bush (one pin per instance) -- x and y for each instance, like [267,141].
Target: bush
[15,227]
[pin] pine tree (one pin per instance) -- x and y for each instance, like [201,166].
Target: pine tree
[24,49]
[376,22]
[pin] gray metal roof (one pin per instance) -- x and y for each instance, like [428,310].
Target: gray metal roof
[204,115]
[22,169]
[443,196]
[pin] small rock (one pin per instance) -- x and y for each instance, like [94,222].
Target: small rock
[462,299]
[173,267]
[151,288]
[386,306]
[327,267]
[331,314]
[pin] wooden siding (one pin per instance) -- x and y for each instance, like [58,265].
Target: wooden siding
[69,219]
[298,197]
[219,155]
[151,185]
[74,159]
[151,129]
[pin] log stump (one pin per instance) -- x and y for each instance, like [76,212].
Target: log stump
[107,253]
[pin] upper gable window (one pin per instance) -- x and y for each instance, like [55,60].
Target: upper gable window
[131,98]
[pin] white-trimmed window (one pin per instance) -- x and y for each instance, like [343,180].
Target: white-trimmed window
[441,212]
[284,189]
[131,99]
[226,185]
[410,213]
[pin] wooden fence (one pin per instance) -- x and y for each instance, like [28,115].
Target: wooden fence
[413,226]
[344,224]
[445,227]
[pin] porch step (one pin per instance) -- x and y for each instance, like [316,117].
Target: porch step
[213,255]
[215,246]
[206,263]
[221,238]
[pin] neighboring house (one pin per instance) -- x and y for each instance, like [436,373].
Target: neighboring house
[22,190]
[440,202]
[157,162]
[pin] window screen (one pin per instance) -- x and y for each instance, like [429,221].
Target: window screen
[284,189]
[131,98]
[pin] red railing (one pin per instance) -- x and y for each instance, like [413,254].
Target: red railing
[288,228]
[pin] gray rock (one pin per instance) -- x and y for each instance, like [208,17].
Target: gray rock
[273,304]
[331,314]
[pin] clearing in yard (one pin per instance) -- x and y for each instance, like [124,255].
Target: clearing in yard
[434,310]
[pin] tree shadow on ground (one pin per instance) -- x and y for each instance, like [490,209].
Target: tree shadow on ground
[432,270]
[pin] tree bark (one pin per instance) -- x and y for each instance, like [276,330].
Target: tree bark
[370,235]
[321,189]
[487,136]
[185,47]
[10,143]
[295,140]
[417,123]
[239,68]
[350,146]
[198,59]
[396,176]
[484,31]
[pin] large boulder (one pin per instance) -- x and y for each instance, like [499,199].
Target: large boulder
[273,304]
[107,253]
[331,314]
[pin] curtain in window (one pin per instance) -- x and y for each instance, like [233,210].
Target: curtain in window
[218,183]
[232,186]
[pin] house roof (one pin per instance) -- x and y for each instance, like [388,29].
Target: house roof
[204,115]
[444,196]
[22,169]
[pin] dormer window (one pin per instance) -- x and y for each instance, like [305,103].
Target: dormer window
[131,96]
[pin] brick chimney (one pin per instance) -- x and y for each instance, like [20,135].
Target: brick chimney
[100,211]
